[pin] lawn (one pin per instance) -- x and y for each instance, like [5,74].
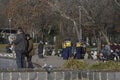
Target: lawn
[3,47]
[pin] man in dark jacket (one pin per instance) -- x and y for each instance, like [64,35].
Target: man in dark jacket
[40,49]
[20,47]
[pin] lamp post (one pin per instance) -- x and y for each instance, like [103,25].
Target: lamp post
[80,22]
[10,25]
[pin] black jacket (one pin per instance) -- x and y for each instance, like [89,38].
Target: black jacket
[20,42]
[40,48]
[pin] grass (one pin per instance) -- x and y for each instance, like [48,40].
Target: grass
[3,47]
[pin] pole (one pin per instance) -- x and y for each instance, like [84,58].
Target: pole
[80,22]
[10,25]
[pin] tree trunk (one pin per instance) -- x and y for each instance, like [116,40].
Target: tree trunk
[105,36]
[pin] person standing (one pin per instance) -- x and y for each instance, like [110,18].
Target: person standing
[107,49]
[78,54]
[30,51]
[68,49]
[40,49]
[20,47]
[63,51]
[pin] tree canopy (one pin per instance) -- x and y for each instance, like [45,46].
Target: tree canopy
[65,18]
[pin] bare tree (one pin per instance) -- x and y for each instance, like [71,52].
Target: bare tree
[117,2]
[100,12]
[65,15]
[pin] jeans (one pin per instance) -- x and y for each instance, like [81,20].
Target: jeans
[20,59]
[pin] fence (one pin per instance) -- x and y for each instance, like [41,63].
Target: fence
[41,74]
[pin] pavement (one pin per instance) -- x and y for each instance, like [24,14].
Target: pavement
[7,58]
[55,61]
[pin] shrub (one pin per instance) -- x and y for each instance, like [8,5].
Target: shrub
[77,64]
[74,64]
[109,65]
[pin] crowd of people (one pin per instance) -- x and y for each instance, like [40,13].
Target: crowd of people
[110,51]
[23,47]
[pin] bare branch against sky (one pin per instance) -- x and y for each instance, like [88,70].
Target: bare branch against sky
[118,3]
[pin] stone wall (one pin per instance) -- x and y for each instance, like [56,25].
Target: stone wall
[7,60]
[7,63]
[39,74]
[8,55]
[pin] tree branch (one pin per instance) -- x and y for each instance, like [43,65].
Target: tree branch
[67,17]
[117,3]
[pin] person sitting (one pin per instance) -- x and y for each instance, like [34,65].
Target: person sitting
[8,48]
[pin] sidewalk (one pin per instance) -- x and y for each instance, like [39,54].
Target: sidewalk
[55,61]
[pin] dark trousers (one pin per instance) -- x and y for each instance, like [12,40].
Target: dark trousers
[78,53]
[29,60]
[67,53]
[20,59]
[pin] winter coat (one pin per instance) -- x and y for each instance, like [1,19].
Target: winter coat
[20,42]
[40,48]
[107,49]
[30,47]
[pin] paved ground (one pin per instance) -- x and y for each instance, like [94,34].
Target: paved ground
[55,61]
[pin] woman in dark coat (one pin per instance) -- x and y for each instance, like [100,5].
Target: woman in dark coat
[30,51]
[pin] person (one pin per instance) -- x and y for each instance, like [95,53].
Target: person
[40,49]
[103,54]
[11,37]
[107,49]
[83,50]
[78,50]
[63,50]
[20,47]
[68,49]
[8,48]
[30,51]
